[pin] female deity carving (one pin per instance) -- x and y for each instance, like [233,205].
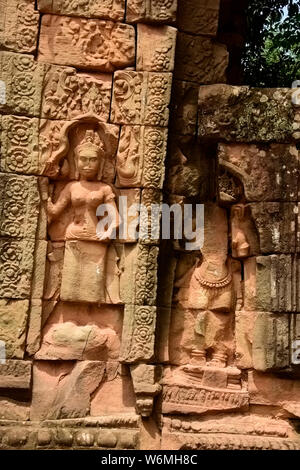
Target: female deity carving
[84,269]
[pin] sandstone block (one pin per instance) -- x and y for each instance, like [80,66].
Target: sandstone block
[146,387]
[54,265]
[19,26]
[138,333]
[295,339]
[184,107]
[13,410]
[267,389]
[15,374]
[107,9]
[199,59]
[267,173]
[115,395]
[80,332]
[139,279]
[39,272]
[271,283]
[141,98]
[23,81]
[54,398]
[13,327]
[19,206]
[16,265]
[68,94]
[270,347]
[19,145]
[244,326]
[95,45]
[241,114]
[141,156]
[276,223]
[153,11]
[161,55]
[199,16]
[34,327]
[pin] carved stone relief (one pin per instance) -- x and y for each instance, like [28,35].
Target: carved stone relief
[98,45]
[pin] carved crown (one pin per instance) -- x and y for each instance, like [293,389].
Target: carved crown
[91,145]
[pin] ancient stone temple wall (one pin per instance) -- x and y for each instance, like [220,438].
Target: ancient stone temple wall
[118,342]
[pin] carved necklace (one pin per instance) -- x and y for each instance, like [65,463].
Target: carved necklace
[215,284]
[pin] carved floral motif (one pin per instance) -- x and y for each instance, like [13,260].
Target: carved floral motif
[19,30]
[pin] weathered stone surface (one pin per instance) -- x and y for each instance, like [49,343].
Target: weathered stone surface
[190,170]
[119,430]
[138,333]
[54,265]
[38,278]
[19,206]
[270,347]
[276,223]
[92,333]
[200,60]
[97,45]
[153,11]
[139,283]
[16,267]
[198,16]
[295,339]
[23,80]
[63,390]
[241,114]
[19,145]
[15,374]
[266,389]
[229,432]
[200,396]
[141,155]
[244,326]
[150,218]
[271,283]
[13,326]
[107,9]
[146,387]
[161,55]
[141,98]
[14,410]
[59,141]
[184,107]
[18,26]
[68,94]
[115,395]
[34,327]
[267,173]
[244,236]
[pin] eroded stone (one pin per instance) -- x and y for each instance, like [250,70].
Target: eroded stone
[108,9]
[141,98]
[161,55]
[19,26]
[157,11]
[73,43]
[200,60]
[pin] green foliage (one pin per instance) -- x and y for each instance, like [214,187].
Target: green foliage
[272,53]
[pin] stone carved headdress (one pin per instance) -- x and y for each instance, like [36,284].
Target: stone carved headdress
[91,145]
